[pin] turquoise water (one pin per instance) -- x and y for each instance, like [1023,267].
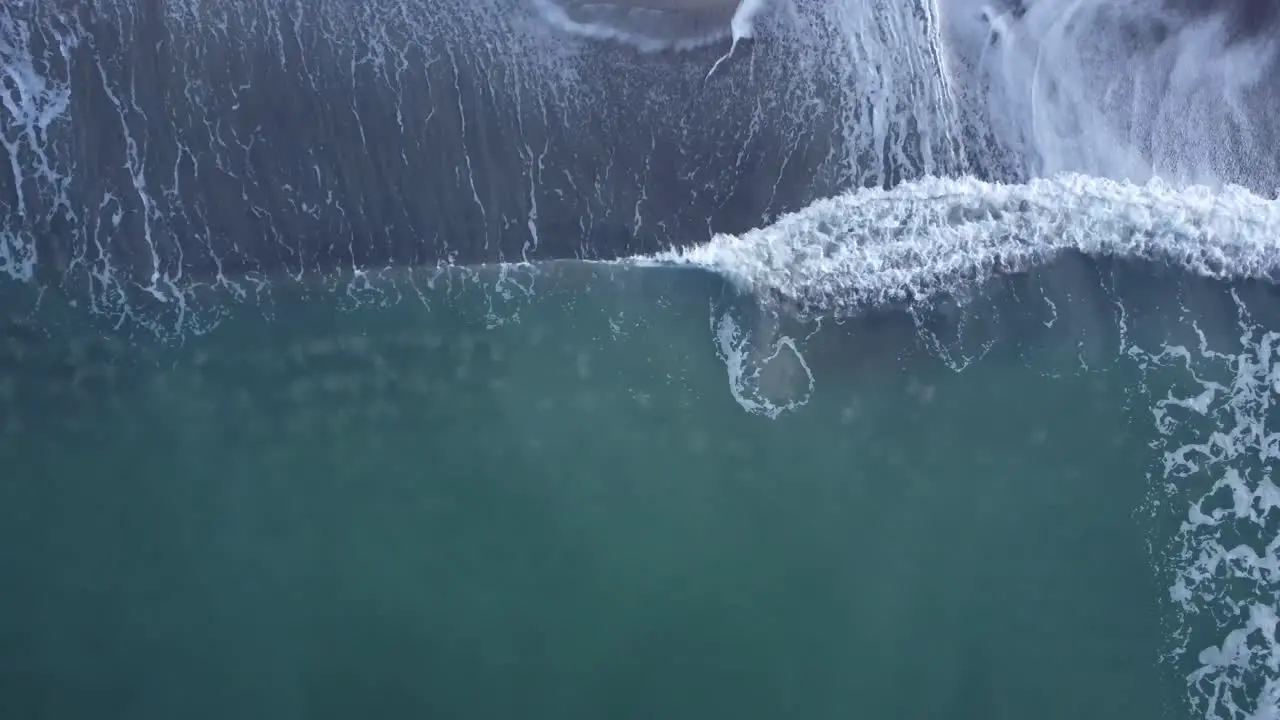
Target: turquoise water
[553,501]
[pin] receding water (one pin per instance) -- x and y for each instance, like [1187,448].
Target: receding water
[419,511]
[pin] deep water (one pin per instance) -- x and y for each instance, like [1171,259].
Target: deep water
[416,511]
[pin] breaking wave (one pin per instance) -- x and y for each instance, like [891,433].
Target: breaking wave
[1209,379]
[942,236]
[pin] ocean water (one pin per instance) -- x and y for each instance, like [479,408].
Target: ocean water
[660,358]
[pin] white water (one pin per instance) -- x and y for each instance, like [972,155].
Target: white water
[1216,454]
[1125,89]
[942,235]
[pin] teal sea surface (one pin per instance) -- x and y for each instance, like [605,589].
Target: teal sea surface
[592,490]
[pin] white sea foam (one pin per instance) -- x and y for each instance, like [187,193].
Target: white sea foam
[768,374]
[942,235]
[1217,446]
[654,27]
[1126,89]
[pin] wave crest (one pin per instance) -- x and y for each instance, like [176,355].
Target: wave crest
[942,235]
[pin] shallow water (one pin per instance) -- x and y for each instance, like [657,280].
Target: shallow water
[412,511]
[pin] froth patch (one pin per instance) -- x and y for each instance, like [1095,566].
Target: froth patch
[647,24]
[1126,89]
